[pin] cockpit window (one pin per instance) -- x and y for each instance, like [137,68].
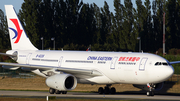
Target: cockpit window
[166,64]
[161,63]
[157,63]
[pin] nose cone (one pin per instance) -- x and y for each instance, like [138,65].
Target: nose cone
[168,71]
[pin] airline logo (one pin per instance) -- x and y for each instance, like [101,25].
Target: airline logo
[40,56]
[133,59]
[99,58]
[17,31]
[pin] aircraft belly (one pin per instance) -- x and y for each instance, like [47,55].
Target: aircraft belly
[127,74]
[97,80]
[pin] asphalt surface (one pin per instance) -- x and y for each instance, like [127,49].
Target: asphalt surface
[79,95]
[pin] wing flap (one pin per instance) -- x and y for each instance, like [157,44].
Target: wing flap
[75,71]
[26,66]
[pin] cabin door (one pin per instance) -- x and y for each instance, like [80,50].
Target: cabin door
[60,61]
[143,64]
[113,63]
[28,57]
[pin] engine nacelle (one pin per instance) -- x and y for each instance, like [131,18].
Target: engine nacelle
[156,87]
[62,82]
[12,52]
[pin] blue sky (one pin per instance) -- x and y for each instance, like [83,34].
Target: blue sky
[17,3]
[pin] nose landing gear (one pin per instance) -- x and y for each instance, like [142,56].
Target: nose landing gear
[150,92]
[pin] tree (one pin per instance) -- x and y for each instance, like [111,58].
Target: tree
[147,35]
[177,17]
[157,23]
[97,17]
[106,22]
[128,33]
[4,34]
[86,25]
[171,25]
[77,25]
[117,25]
[138,23]
[29,18]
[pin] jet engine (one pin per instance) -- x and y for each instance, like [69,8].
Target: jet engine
[156,87]
[62,82]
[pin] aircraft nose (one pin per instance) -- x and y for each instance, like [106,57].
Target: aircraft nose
[168,71]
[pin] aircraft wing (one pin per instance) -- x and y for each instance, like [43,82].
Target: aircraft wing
[74,71]
[7,54]
[174,62]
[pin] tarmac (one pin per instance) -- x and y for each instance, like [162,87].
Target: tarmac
[80,95]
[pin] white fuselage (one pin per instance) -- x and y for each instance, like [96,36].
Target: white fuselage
[116,67]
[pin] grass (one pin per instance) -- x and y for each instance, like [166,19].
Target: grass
[38,84]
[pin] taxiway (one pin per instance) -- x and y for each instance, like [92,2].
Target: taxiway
[79,95]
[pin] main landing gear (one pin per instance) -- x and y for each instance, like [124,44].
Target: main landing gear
[150,92]
[52,91]
[107,90]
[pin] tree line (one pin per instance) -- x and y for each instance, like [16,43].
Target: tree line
[76,25]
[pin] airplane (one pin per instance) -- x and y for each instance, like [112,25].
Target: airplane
[64,69]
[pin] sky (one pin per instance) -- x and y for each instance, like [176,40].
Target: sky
[16,3]
[100,3]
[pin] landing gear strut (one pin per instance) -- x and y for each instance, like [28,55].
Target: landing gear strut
[150,92]
[52,91]
[107,90]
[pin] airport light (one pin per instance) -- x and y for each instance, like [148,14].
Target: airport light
[139,38]
[164,34]
[42,42]
[53,39]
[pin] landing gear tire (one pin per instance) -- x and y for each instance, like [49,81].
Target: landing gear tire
[100,90]
[64,92]
[51,90]
[57,92]
[150,93]
[106,90]
[113,90]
